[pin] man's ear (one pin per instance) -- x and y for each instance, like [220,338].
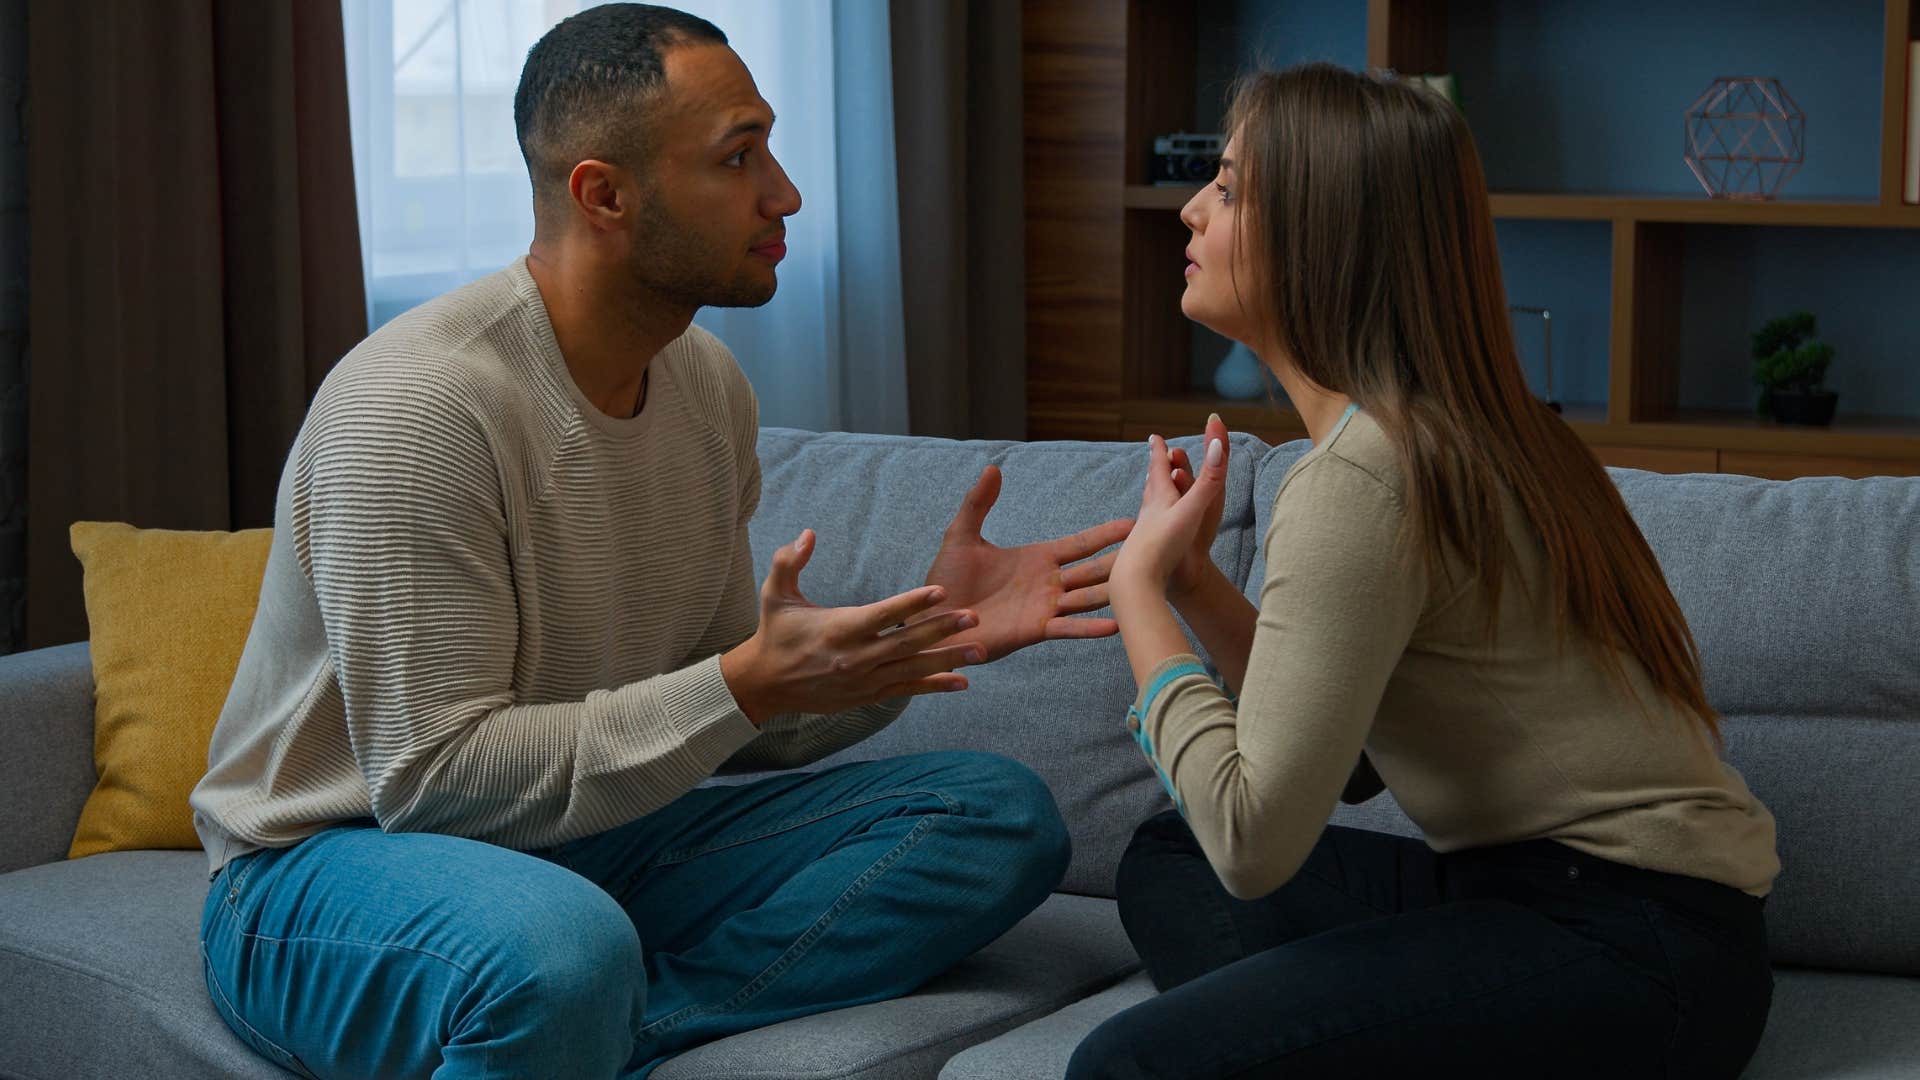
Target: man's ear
[596,192]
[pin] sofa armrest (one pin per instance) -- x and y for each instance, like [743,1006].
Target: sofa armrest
[46,751]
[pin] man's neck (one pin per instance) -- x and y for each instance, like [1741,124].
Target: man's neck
[607,335]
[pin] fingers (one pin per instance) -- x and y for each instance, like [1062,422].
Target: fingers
[1062,628]
[1158,463]
[1093,572]
[884,614]
[937,684]
[927,632]
[1088,541]
[1217,444]
[783,577]
[1081,601]
[920,665]
[972,515]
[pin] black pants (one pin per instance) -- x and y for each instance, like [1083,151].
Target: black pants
[1380,958]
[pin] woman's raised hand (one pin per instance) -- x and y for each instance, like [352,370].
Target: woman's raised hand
[1169,549]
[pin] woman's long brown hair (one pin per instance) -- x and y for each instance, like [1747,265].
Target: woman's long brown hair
[1366,230]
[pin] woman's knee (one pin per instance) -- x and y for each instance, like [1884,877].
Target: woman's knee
[1109,1052]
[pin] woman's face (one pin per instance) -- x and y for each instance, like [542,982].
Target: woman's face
[1210,299]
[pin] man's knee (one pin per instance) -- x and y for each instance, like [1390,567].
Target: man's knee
[1018,809]
[573,946]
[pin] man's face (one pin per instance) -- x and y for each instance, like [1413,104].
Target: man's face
[710,229]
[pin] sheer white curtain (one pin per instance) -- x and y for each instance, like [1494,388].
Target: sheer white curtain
[444,197]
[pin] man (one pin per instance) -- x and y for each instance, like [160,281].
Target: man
[509,622]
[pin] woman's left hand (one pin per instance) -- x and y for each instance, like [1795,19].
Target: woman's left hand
[1169,521]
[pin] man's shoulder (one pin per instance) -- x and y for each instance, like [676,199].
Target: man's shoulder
[712,379]
[445,357]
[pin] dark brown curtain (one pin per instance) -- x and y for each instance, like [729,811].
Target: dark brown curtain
[956,119]
[195,265]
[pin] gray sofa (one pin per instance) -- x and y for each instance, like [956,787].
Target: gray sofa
[1805,597]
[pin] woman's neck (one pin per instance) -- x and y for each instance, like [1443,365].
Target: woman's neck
[1320,409]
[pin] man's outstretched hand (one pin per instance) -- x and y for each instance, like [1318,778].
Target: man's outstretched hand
[1027,594]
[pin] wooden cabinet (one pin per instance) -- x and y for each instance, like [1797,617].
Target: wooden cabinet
[1110,356]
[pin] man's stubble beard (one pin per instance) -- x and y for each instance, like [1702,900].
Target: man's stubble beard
[672,263]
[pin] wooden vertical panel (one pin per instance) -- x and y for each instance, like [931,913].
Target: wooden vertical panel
[1644,382]
[1158,339]
[1160,77]
[1657,280]
[1155,338]
[1409,36]
[1900,29]
[1620,325]
[1073,70]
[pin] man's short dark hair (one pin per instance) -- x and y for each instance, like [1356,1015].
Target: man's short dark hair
[583,85]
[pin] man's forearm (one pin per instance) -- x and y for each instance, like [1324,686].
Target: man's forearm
[1223,620]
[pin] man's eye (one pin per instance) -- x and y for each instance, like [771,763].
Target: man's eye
[738,159]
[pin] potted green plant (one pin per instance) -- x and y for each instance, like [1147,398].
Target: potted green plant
[1791,368]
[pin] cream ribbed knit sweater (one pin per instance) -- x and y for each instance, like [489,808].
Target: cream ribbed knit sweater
[493,611]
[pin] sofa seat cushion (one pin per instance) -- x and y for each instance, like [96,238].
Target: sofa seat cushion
[1070,947]
[1825,1025]
[101,960]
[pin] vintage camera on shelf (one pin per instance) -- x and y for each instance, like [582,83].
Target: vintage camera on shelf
[1181,159]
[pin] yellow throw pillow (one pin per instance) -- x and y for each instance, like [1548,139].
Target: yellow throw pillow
[168,613]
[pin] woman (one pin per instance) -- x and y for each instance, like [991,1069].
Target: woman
[1456,603]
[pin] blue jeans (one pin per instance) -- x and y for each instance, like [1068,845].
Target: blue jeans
[1381,958]
[360,953]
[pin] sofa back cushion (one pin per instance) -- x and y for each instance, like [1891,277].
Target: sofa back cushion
[879,505]
[1804,598]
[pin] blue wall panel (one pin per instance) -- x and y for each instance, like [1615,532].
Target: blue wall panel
[1584,97]
[1565,267]
[1868,305]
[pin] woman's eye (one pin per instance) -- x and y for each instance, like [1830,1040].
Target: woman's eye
[1225,195]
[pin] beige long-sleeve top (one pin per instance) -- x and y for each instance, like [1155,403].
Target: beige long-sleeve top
[493,611]
[1356,649]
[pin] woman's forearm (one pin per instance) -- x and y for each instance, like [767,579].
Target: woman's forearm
[1223,620]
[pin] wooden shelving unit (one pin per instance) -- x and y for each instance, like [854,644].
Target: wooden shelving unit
[1109,354]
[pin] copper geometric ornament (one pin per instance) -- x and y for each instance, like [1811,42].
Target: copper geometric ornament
[1745,136]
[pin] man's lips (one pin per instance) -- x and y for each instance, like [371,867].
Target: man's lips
[775,249]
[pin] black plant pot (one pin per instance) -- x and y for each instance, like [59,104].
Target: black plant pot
[1811,407]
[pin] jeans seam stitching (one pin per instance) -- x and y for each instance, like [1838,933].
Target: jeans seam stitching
[234,1011]
[304,939]
[801,947]
[681,855]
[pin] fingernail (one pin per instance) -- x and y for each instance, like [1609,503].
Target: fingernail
[974,656]
[1214,418]
[800,542]
[937,595]
[1213,451]
[967,622]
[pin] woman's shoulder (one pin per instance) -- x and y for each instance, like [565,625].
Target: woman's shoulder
[1357,457]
